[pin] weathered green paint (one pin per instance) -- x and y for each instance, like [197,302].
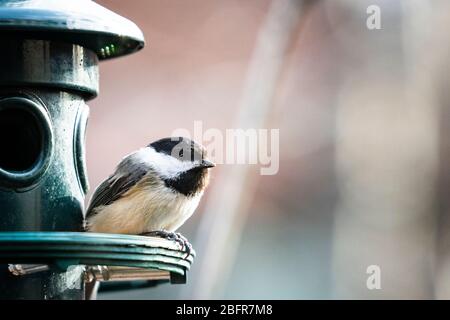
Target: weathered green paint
[40,108]
[54,200]
[52,284]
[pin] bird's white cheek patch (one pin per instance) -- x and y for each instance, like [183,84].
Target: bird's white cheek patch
[166,165]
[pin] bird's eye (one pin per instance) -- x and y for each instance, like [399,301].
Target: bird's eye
[181,153]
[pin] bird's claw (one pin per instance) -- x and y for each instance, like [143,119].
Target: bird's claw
[174,236]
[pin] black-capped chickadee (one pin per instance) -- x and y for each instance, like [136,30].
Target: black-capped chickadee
[153,191]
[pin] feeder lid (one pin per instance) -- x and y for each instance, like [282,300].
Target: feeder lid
[82,22]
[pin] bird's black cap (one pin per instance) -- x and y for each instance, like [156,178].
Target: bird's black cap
[181,148]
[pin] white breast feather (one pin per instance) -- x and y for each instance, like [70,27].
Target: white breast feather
[157,208]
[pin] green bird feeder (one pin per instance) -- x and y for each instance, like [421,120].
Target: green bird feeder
[50,50]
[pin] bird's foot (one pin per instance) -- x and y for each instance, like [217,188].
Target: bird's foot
[174,236]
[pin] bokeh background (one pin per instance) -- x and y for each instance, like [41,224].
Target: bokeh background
[364,141]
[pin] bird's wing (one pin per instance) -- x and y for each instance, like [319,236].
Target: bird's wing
[128,173]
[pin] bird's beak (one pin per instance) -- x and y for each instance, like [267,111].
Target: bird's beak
[207,164]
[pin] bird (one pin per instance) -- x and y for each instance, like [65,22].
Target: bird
[152,191]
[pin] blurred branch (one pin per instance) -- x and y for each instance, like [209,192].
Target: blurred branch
[226,210]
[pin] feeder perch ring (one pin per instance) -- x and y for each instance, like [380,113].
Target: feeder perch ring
[65,249]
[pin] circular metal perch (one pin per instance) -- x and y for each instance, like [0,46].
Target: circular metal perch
[107,256]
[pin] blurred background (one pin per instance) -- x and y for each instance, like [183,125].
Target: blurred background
[364,141]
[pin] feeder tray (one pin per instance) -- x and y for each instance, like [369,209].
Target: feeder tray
[64,249]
